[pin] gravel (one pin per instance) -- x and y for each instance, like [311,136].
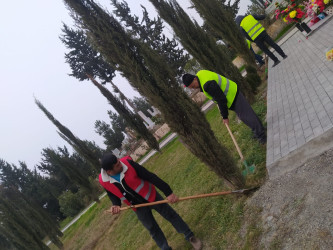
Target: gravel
[296,209]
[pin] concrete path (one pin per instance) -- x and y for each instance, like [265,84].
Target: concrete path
[300,100]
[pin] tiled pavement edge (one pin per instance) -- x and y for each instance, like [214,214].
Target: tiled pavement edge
[300,101]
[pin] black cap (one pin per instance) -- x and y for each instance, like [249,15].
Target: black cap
[108,160]
[188,79]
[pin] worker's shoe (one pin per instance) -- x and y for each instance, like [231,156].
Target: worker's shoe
[196,243]
[275,63]
[262,140]
[285,56]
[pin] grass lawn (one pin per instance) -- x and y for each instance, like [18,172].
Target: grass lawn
[218,221]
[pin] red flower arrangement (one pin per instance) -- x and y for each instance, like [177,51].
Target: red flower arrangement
[293,12]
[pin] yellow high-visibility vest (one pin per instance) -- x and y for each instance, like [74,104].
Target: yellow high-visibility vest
[228,87]
[248,43]
[251,26]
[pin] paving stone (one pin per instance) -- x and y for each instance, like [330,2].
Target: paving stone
[315,122]
[308,138]
[299,93]
[329,126]
[318,130]
[300,141]
[306,124]
[325,121]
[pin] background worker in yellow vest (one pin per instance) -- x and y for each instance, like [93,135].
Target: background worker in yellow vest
[127,181]
[258,57]
[255,32]
[226,94]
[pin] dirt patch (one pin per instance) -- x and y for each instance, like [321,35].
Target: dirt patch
[275,28]
[296,210]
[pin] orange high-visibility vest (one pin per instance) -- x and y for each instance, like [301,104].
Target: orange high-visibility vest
[141,187]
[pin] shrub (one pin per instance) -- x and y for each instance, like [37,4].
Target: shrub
[252,78]
[70,203]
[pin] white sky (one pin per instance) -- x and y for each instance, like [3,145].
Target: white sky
[33,64]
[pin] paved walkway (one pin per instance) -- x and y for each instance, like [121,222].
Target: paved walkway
[300,100]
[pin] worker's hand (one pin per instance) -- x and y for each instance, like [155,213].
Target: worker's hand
[226,121]
[172,198]
[115,209]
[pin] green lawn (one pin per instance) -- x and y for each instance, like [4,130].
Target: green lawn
[216,220]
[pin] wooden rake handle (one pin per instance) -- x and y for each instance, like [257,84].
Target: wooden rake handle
[185,198]
[235,142]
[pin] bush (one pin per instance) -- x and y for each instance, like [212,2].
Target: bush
[70,203]
[157,119]
[252,78]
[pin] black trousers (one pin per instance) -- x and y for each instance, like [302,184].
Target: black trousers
[246,114]
[265,38]
[147,219]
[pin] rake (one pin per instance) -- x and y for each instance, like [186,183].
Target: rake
[248,169]
[242,191]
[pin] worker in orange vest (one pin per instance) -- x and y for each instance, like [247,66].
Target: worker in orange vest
[127,181]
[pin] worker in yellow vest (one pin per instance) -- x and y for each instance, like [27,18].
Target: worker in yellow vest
[227,96]
[255,32]
[258,57]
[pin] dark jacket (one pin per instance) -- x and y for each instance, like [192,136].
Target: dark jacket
[239,19]
[219,97]
[130,194]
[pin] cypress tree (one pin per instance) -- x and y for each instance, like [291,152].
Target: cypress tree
[74,173]
[221,19]
[23,224]
[80,146]
[117,121]
[31,184]
[82,58]
[132,120]
[142,104]
[90,156]
[148,72]
[150,31]
[85,63]
[113,136]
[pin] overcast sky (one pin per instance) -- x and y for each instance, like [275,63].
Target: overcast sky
[33,65]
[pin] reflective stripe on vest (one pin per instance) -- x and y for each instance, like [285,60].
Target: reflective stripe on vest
[140,186]
[220,84]
[255,30]
[149,192]
[252,27]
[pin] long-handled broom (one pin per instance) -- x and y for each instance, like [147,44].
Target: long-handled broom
[242,191]
[248,169]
